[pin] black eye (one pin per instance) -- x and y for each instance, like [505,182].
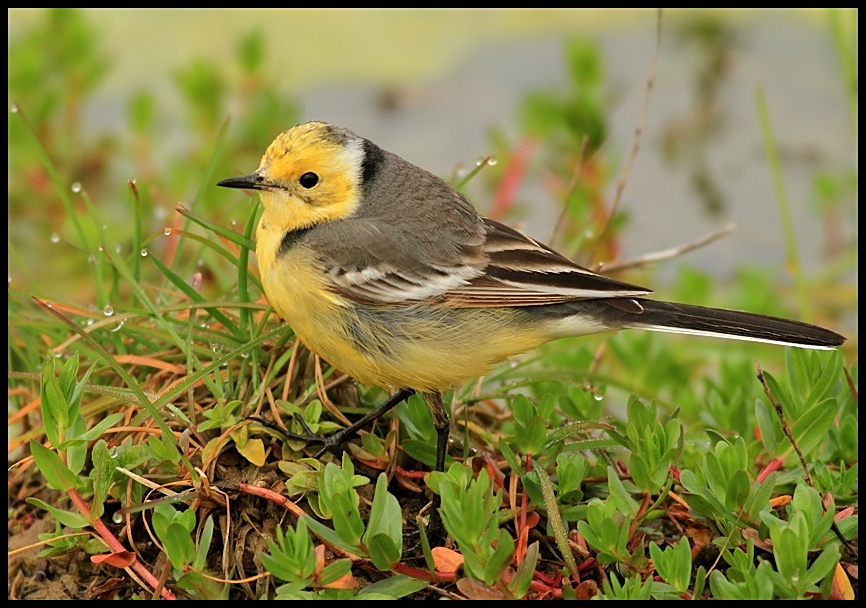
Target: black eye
[309,179]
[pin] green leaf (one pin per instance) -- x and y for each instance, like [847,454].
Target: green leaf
[332,538]
[396,586]
[571,468]
[251,51]
[174,528]
[641,474]
[57,474]
[695,484]
[203,548]
[202,587]
[533,437]
[65,518]
[789,550]
[334,571]
[823,372]
[674,564]
[606,530]
[178,544]
[519,584]
[467,510]
[75,450]
[420,451]
[291,555]
[510,457]
[68,375]
[103,474]
[812,427]
[782,395]
[759,497]
[383,551]
[140,111]
[625,504]
[634,588]
[738,491]
[768,424]
[498,560]
[823,566]
[100,427]
[337,494]
[384,536]
[55,412]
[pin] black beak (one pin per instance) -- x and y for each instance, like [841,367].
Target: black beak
[253,181]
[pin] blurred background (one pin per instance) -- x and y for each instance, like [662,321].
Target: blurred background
[178,99]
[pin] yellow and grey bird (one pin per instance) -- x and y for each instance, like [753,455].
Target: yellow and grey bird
[387,272]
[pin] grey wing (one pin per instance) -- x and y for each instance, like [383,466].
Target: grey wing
[521,271]
[371,262]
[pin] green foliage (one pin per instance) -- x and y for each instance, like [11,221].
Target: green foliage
[571,469]
[291,557]
[806,529]
[743,580]
[154,350]
[674,564]
[415,416]
[632,589]
[606,527]
[305,420]
[384,535]
[530,421]
[173,528]
[64,425]
[814,411]
[338,500]
[653,447]
[580,112]
[721,488]
[470,513]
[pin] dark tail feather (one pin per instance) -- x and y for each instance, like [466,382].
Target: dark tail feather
[734,324]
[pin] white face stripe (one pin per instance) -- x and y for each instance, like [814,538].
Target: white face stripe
[352,154]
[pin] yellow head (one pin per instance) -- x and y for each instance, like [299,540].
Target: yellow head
[309,174]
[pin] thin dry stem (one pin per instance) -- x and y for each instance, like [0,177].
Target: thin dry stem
[672,252]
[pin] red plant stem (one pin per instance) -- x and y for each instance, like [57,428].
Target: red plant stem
[774,465]
[116,545]
[514,173]
[424,575]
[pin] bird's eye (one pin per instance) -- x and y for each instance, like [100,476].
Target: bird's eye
[309,179]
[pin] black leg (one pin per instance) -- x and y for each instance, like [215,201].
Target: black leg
[443,427]
[333,442]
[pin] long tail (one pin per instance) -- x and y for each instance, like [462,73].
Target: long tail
[731,324]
